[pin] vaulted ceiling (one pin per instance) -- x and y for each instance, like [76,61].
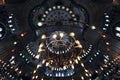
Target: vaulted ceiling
[59,39]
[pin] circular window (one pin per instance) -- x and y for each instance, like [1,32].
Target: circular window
[2,30]
[116,30]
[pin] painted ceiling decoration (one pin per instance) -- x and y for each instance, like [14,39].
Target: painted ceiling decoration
[59,39]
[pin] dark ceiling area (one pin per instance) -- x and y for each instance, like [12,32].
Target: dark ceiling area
[59,39]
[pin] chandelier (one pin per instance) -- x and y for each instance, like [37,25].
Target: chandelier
[59,52]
